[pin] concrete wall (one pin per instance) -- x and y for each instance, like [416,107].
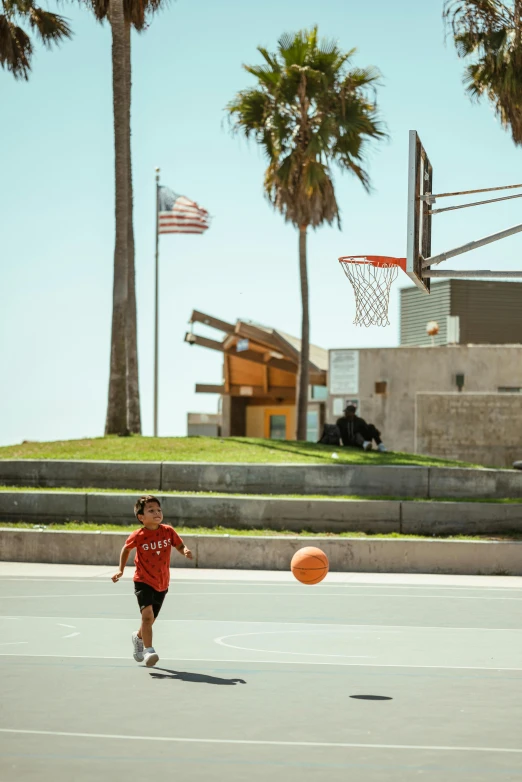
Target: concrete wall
[377,516]
[375,555]
[328,479]
[480,428]
[412,370]
[197,511]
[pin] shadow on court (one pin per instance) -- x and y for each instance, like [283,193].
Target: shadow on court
[371,697]
[198,678]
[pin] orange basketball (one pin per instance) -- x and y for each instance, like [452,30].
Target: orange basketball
[309,565]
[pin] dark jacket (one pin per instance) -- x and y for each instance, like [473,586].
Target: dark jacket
[350,428]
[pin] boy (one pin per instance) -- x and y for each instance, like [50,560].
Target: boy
[153,544]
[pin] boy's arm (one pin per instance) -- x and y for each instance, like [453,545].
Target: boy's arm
[186,552]
[124,556]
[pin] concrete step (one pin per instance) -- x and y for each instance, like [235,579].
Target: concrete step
[366,555]
[328,479]
[328,515]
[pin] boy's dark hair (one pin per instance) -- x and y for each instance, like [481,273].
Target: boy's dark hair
[139,507]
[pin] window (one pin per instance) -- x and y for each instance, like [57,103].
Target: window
[319,393]
[278,427]
[509,390]
[312,426]
[381,386]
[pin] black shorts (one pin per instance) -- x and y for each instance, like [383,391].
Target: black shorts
[148,596]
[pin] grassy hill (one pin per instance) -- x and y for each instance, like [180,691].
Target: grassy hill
[211,449]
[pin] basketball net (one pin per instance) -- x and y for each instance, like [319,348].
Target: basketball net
[371,284]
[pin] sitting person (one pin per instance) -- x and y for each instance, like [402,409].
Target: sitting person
[357,433]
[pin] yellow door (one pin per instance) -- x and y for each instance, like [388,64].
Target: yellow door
[277,423]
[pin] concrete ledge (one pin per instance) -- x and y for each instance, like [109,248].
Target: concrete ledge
[328,479]
[43,506]
[332,479]
[371,516]
[460,518]
[193,511]
[375,555]
[50,473]
[459,482]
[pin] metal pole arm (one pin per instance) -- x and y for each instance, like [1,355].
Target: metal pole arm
[470,246]
[477,273]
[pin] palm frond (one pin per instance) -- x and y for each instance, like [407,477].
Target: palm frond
[309,113]
[15,49]
[51,28]
[490,32]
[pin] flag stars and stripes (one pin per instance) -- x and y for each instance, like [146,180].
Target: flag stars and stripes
[179,215]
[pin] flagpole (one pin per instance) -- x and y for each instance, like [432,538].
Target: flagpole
[156,324]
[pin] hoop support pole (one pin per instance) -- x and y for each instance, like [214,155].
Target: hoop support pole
[464,248]
[478,273]
[431,196]
[475,203]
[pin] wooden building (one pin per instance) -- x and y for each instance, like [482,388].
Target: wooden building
[258,391]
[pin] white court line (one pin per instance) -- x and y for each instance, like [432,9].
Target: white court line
[377,628]
[260,743]
[271,594]
[14,643]
[279,584]
[270,662]
[221,642]
[62,625]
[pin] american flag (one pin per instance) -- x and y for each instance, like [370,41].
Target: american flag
[179,215]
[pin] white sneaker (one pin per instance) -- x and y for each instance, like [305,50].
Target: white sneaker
[151,658]
[138,647]
[381,447]
[367,446]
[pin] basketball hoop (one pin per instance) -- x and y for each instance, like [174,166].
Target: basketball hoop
[371,277]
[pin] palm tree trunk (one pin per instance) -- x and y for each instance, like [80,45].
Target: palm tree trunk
[133,389]
[304,363]
[116,422]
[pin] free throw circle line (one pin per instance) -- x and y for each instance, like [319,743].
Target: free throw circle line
[221,642]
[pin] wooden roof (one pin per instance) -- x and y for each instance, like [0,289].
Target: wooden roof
[268,346]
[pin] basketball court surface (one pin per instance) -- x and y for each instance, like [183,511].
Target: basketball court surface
[377,677]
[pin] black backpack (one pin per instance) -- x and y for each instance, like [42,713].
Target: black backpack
[331,435]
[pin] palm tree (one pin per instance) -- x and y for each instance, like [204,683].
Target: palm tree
[308,111]
[117,407]
[490,31]
[16,48]
[123,409]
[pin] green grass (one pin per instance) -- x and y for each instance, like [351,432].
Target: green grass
[304,497]
[212,449]
[88,527]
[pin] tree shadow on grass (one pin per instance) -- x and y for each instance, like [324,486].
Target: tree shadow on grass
[197,678]
[274,445]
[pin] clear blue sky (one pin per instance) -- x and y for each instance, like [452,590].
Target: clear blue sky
[57,199]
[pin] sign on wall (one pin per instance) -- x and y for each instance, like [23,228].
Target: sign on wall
[340,404]
[343,375]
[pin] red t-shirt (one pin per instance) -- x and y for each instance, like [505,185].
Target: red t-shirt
[152,559]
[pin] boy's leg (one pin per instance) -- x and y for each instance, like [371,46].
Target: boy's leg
[145,631]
